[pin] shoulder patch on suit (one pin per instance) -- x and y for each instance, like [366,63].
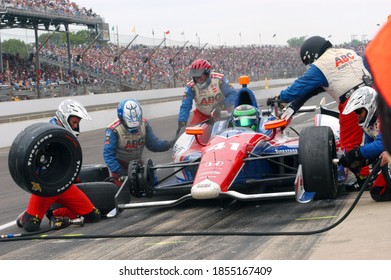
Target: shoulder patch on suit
[114,124]
[217,75]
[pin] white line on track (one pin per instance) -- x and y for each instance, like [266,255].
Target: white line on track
[7,225]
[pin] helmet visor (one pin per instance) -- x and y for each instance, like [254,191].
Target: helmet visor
[196,72]
[245,121]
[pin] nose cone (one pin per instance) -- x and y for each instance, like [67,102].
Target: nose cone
[206,189]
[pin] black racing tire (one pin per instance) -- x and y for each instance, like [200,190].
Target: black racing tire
[101,194]
[45,159]
[316,153]
[94,173]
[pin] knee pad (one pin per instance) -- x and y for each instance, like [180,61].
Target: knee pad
[93,216]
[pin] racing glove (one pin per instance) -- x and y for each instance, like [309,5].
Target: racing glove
[121,175]
[272,100]
[353,160]
[219,105]
[180,125]
[171,143]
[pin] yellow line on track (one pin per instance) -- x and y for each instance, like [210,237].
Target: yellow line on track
[316,218]
[76,234]
[164,243]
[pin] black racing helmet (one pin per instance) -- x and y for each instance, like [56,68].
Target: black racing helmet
[313,48]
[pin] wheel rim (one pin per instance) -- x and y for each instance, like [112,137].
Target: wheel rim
[51,161]
[150,179]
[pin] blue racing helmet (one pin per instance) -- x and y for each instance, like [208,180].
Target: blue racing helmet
[130,114]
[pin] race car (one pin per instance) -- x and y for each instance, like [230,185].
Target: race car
[216,160]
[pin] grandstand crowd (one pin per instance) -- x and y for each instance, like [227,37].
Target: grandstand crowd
[141,66]
[136,68]
[64,7]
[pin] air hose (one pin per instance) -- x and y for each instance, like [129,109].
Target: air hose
[55,224]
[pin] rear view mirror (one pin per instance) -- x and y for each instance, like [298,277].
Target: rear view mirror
[276,124]
[196,130]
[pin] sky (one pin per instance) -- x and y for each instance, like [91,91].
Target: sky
[244,22]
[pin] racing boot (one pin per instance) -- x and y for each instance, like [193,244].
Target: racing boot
[29,222]
[380,191]
[49,214]
[19,220]
[355,187]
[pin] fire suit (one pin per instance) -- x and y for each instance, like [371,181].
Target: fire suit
[73,201]
[218,91]
[122,146]
[339,72]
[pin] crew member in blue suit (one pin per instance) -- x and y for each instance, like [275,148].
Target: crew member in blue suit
[126,138]
[208,90]
[363,103]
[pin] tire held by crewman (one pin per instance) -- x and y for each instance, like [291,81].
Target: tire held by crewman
[45,159]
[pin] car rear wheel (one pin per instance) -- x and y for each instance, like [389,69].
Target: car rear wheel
[316,153]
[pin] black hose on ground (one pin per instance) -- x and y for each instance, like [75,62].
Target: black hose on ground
[39,235]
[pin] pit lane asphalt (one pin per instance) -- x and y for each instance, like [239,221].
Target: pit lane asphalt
[363,235]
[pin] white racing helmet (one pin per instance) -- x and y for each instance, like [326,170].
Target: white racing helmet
[68,108]
[364,97]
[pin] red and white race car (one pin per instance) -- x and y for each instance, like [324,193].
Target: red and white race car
[215,160]
[210,161]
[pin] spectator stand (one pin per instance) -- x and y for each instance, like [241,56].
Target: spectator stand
[48,16]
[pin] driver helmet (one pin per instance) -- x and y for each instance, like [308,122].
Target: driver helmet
[68,108]
[245,116]
[198,68]
[363,98]
[313,48]
[130,114]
